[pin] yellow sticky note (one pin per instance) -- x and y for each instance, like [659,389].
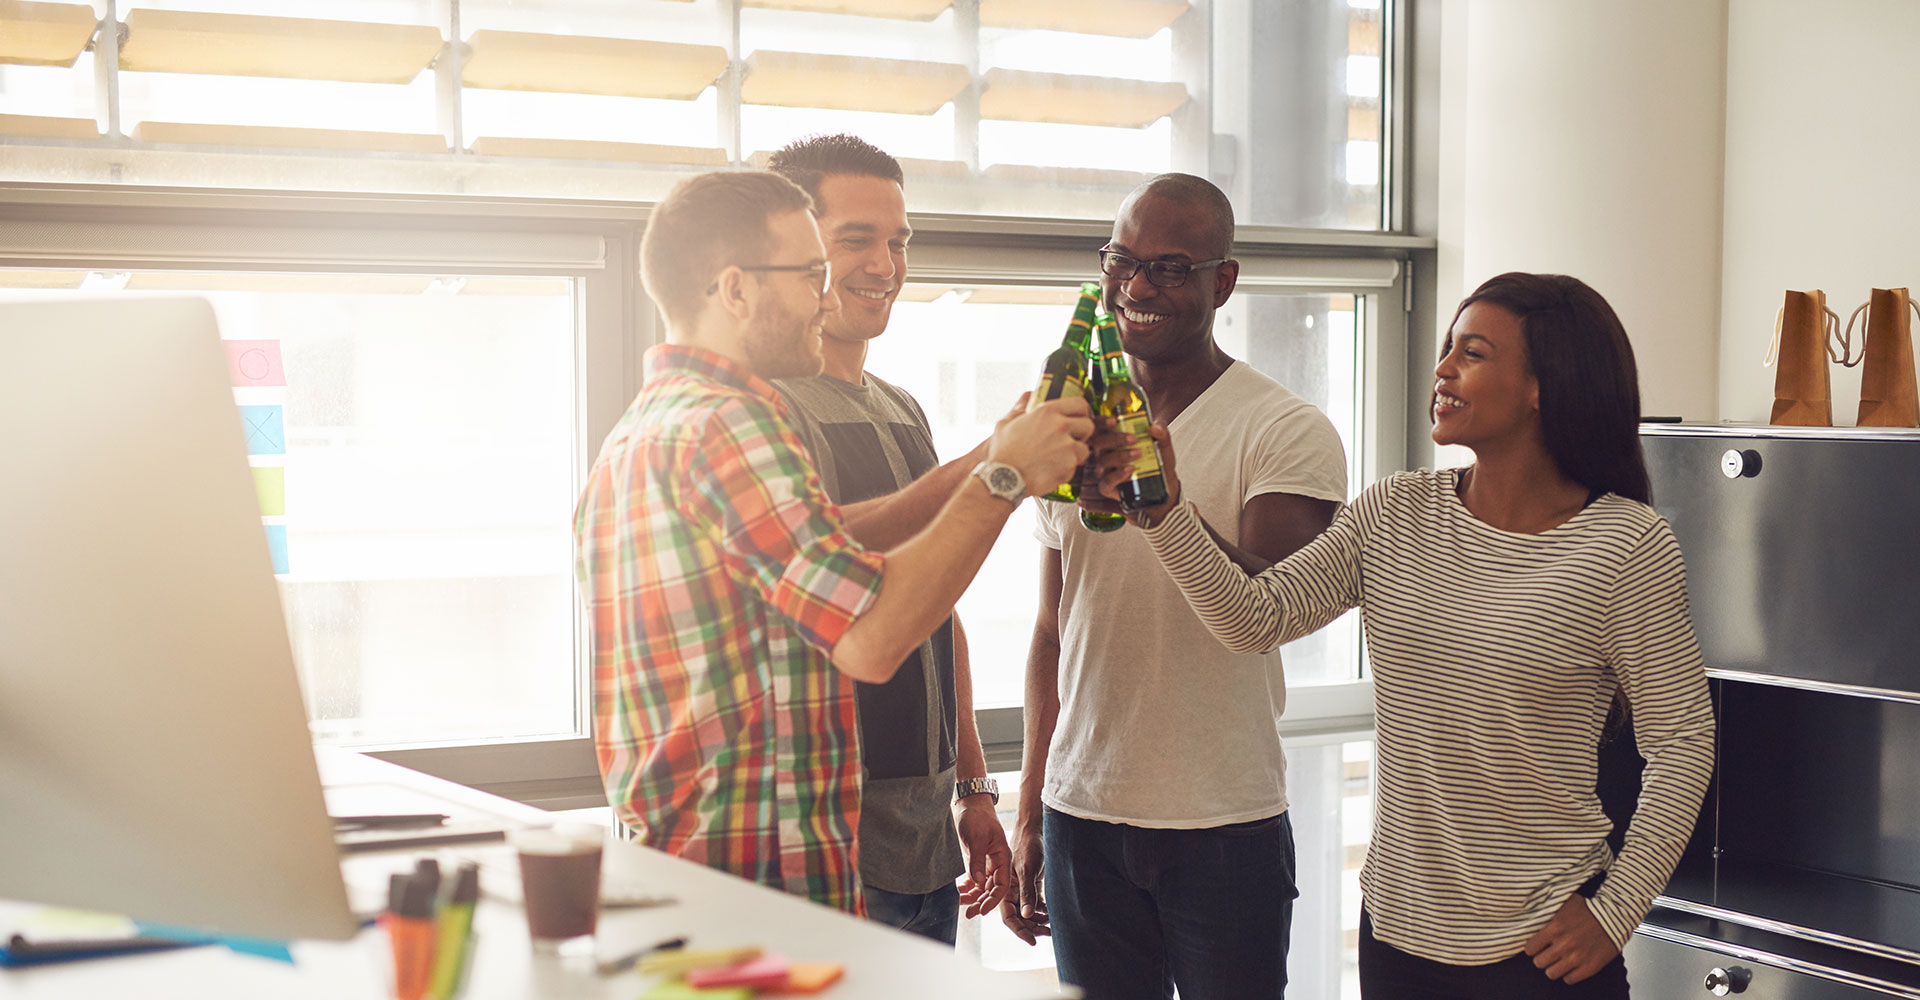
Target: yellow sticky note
[270,481]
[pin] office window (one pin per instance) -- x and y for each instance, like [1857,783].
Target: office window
[413,438]
[998,107]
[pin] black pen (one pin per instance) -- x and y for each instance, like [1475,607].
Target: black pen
[625,962]
[387,820]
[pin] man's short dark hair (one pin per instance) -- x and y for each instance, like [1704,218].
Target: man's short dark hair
[1201,194]
[706,224]
[809,161]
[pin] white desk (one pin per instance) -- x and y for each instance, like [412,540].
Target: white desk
[713,910]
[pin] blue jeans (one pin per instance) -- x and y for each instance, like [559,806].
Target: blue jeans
[933,915]
[1136,912]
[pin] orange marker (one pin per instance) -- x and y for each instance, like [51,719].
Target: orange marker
[410,932]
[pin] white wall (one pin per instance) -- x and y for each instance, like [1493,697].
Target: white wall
[1585,137]
[1822,174]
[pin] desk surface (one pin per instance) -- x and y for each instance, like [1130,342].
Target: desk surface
[713,910]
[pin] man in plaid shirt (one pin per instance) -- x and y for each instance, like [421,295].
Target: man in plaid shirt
[731,610]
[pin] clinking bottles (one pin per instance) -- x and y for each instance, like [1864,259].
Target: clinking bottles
[1145,486]
[1065,371]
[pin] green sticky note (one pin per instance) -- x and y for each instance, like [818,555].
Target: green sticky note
[270,481]
[677,989]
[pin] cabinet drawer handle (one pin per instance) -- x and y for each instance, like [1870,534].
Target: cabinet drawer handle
[1721,982]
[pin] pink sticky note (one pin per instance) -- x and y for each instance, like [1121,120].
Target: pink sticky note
[255,362]
[765,972]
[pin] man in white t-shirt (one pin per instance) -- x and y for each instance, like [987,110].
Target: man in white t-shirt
[1153,798]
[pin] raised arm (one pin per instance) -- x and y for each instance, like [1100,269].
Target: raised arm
[925,575]
[886,521]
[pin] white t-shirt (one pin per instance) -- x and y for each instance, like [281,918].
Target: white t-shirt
[1161,726]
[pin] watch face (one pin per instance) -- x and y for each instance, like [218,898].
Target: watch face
[1004,480]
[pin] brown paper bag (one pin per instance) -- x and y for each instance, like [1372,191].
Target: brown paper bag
[1803,332]
[1889,396]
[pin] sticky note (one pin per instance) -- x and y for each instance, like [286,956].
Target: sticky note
[277,547]
[674,989]
[266,428]
[765,972]
[270,481]
[255,362]
[812,977]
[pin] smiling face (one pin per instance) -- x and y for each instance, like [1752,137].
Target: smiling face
[864,222]
[782,339]
[1161,325]
[1484,391]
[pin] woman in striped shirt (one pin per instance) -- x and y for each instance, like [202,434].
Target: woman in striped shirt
[1507,606]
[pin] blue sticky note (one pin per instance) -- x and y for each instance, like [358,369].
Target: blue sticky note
[277,544]
[266,428]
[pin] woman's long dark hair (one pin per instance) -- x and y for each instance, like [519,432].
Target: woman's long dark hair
[1589,385]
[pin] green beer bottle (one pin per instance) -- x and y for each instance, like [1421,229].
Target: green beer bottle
[1100,395]
[1065,372]
[1146,486]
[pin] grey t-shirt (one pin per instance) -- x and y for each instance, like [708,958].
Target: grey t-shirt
[869,440]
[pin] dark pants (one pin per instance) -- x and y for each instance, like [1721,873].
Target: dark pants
[933,915]
[1387,973]
[1136,912]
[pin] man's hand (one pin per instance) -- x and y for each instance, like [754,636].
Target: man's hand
[989,860]
[1572,946]
[1024,911]
[1046,443]
[1113,454]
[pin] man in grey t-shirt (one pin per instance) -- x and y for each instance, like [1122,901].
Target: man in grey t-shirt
[926,795]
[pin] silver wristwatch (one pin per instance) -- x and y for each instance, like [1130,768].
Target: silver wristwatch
[1003,481]
[976,786]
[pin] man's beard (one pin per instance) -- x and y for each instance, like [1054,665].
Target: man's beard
[783,346]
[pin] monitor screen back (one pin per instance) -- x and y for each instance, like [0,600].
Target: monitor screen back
[154,752]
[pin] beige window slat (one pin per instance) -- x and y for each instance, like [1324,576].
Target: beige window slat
[44,34]
[849,83]
[1123,18]
[198,134]
[11,277]
[911,292]
[904,10]
[168,41]
[913,168]
[1027,175]
[1363,123]
[277,282]
[596,149]
[582,64]
[1363,37]
[1027,96]
[37,127]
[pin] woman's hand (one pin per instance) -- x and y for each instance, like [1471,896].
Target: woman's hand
[1113,455]
[1573,945]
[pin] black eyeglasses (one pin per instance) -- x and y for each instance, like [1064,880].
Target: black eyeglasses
[821,271]
[1165,273]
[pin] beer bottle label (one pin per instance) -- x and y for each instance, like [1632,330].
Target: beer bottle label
[1147,463]
[1053,387]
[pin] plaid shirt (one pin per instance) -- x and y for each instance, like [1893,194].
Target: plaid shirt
[718,575]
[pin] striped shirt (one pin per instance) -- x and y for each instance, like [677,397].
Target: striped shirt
[717,577]
[1495,656]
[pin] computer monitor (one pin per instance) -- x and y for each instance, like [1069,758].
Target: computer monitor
[154,752]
